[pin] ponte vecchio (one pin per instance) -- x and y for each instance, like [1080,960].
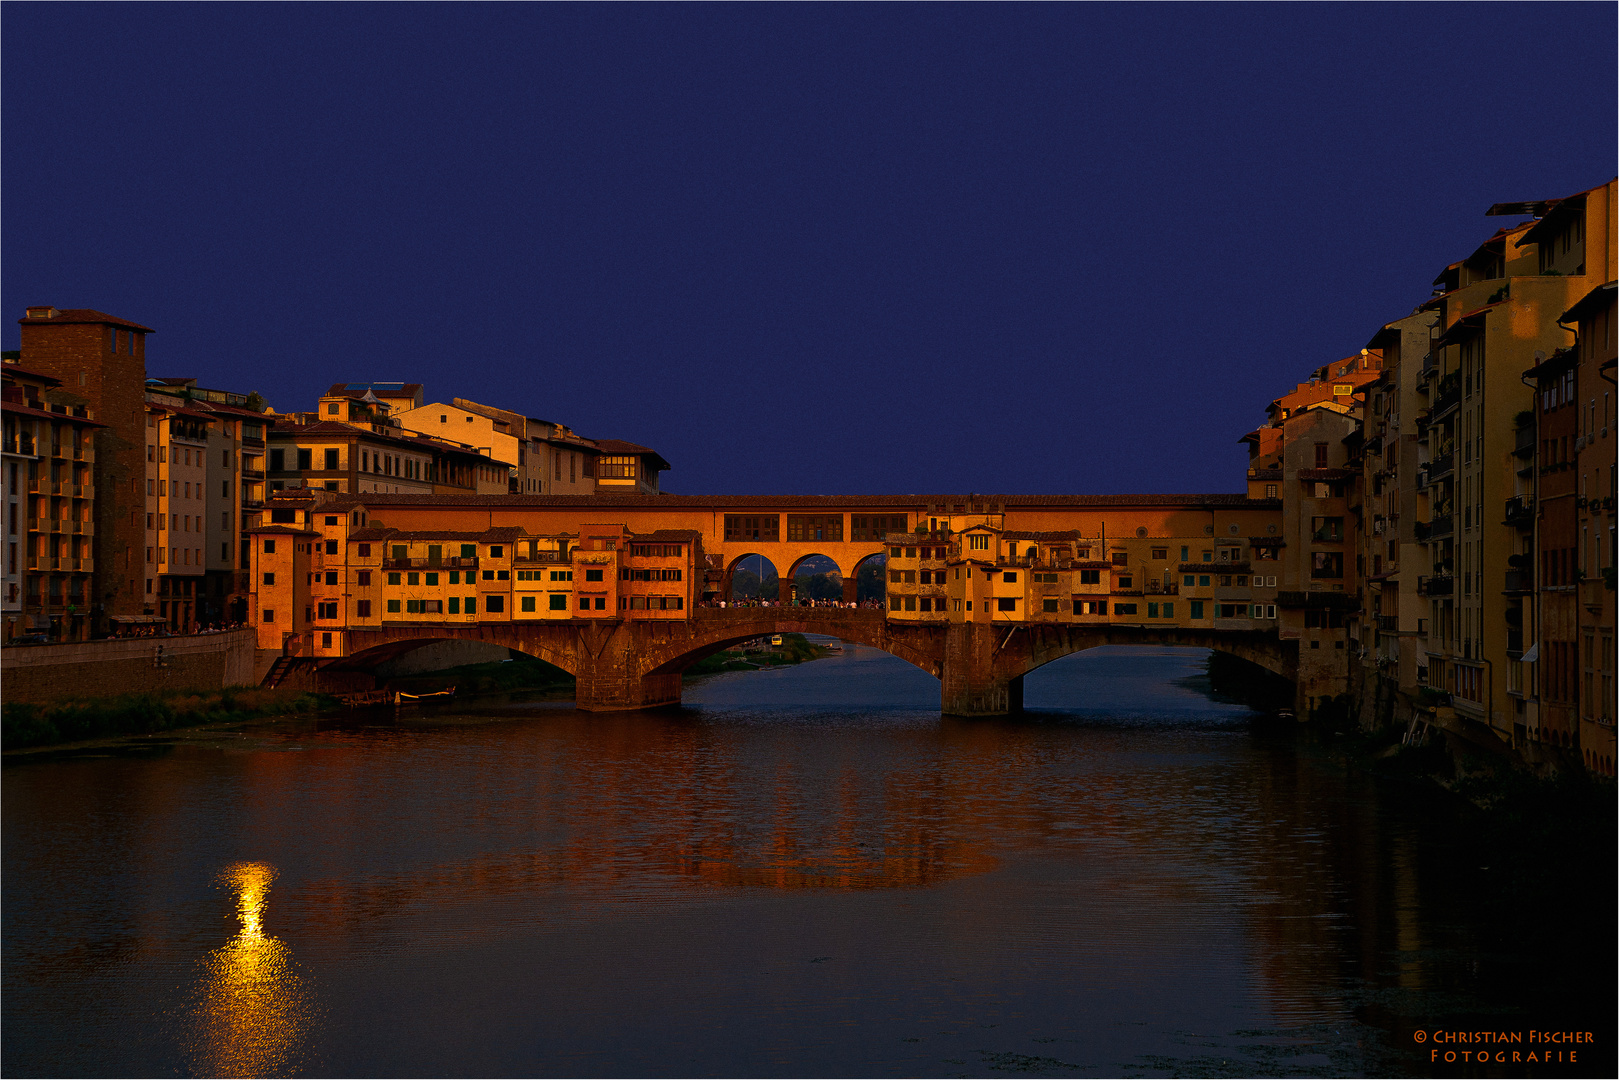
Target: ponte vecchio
[625,592]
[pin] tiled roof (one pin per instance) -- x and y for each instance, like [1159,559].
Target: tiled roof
[17,369]
[84,315]
[667,536]
[288,529]
[43,414]
[793,502]
[343,389]
[502,534]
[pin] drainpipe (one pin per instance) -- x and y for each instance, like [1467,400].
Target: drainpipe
[1534,543]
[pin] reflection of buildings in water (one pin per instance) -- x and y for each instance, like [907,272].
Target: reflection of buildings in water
[255,1011]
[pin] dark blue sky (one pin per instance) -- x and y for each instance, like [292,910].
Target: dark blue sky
[797,249]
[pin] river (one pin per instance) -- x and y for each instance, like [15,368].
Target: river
[800,872]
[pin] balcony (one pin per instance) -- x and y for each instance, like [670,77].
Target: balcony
[1436,585]
[1524,443]
[1520,511]
[1158,588]
[1441,527]
[1440,467]
[1388,624]
[252,474]
[459,562]
[1518,582]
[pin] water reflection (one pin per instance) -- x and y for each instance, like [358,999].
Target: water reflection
[256,1011]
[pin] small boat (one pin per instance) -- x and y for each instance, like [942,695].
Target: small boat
[437,697]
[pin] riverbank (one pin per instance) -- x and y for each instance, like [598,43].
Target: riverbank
[29,726]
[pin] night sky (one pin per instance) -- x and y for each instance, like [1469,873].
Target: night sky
[796,249]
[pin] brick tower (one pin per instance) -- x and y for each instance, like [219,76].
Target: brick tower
[101,359]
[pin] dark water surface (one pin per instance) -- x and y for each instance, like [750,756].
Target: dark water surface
[801,872]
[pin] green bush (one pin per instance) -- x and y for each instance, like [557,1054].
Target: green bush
[24,724]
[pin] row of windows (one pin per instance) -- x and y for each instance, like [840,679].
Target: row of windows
[656,551]
[670,573]
[1052,605]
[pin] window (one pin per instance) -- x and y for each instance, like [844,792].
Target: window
[1090,577]
[562,575]
[269,614]
[1203,580]
[1121,558]
[1189,579]
[978,542]
[1049,604]
[393,607]
[1321,455]
[269,579]
[364,551]
[1169,611]
[278,461]
[1328,530]
[559,602]
[893,603]
[304,459]
[1010,577]
[813,527]
[413,578]
[327,609]
[394,577]
[1124,609]
[1006,603]
[1126,581]
[1327,564]
[496,551]
[593,574]
[269,547]
[470,605]
[752,527]
[331,577]
[362,577]
[874,526]
[1270,491]
[1160,553]
[362,609]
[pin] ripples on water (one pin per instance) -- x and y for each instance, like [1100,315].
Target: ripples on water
[801,872]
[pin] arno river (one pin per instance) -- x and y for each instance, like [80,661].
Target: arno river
[800,872]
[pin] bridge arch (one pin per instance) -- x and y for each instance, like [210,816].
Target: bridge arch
[371,648]
[814,563]
[863,627]
[1261,648]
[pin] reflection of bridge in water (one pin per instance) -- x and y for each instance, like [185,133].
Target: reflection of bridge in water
[635,664]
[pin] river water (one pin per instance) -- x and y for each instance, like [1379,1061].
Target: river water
[801,872]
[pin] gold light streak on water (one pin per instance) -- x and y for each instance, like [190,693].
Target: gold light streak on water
[256,1011]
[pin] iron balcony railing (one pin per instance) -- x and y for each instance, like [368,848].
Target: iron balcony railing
[1520,511]
[1436,585]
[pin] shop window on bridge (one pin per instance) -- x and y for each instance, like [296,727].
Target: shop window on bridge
[362,609]
[528,603]
[873,526]
[1090,607]
[1124,609]
[1049,604]
[1006,603]
[765,527]
[1231,611]
[393,607]
[814,527]
[558,602]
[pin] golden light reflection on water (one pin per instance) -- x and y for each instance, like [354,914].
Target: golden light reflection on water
[256,1011]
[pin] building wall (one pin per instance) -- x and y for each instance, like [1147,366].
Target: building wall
[43,673]
[112,385]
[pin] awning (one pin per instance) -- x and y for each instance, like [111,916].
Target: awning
[1532,655]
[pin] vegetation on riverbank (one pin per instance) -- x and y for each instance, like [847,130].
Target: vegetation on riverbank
[508,676]
[24,725]
[794,649]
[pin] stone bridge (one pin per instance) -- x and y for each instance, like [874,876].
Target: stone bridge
[634,664]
